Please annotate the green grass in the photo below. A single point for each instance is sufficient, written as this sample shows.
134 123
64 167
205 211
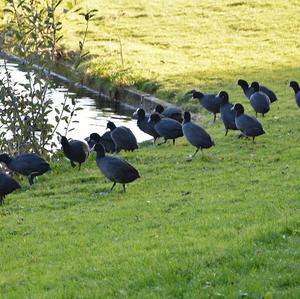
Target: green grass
187 44
226 226
219 227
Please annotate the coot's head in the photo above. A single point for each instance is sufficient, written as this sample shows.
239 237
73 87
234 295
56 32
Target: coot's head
159 109
5 158
140 113
99 149
110 125
255 86
223 95
238 108
64 141
295 86
154 117
243 83
197 95
187 116
95 137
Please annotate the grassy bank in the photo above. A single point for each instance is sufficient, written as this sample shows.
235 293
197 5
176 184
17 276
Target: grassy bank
187 44
226 226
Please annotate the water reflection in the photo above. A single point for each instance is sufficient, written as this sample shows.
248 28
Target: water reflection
95 114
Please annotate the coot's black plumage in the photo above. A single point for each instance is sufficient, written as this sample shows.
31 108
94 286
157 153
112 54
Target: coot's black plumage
30 165
105 140
227 114
170 112
211 102
122 137
166 127
195 135
114 168
259 100
7 186
248 125
248 90
75 151
296 89
146 126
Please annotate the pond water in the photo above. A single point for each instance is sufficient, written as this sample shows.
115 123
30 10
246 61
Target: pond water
95 113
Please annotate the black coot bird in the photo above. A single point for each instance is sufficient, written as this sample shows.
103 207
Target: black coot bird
259 100
30 165
248 90
195 135
75 151
7 186
248 125
211 102
296 88
166 127
114 168
122 137
105 140
144 125
170 112
227 114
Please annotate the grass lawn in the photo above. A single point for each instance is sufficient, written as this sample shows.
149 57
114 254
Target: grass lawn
186 44
226 226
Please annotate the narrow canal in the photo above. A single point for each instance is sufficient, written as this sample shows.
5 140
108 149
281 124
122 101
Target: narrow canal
95 112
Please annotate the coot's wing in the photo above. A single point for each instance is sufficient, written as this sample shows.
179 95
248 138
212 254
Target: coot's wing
250 125
7 184
80 150
124 138
169 128
196 135
30 163
270 93
117 169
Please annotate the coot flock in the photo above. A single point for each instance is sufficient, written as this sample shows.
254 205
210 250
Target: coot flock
168 123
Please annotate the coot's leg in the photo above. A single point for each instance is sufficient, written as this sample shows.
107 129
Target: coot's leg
195 152
215 115
253 139
72 164
173 141
190 158
114 184
124 187
226 132
30 179
79 166
1 200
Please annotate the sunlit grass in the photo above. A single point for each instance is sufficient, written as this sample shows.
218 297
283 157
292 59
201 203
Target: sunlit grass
187 44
